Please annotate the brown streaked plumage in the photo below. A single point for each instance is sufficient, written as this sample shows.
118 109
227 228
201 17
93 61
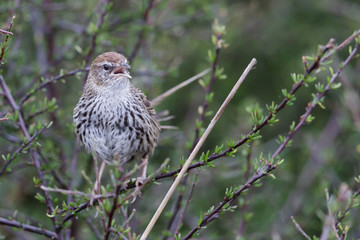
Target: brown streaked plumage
113 119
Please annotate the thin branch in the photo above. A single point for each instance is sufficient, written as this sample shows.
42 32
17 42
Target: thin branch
344 214
207 91
28 228
37 113
141 34
319 96
298 227
196 149
182 215
243 221
57 176
262 172
132 195
172 90
52 80
3 48
6 32
23 145
94 36
93 229
34 156
201 117
225 152
342 45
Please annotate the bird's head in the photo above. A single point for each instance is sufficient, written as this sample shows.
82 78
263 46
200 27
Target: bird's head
109 68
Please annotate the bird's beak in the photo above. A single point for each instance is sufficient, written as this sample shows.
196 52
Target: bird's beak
125 65
123 70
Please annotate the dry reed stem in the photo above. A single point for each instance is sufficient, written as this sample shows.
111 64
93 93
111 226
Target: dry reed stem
196 149
164 95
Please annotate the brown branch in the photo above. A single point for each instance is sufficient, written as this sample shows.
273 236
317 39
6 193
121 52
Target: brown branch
28 228
207 91
201 118
269 166
141 34
314 103
260 173
112 212
52 80
344 214
298 227
15 107
23 145
6 32
93 228
214 156
94 36
55 174
182 215
3 48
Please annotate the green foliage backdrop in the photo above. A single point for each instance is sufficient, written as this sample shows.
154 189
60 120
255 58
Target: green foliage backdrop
44 63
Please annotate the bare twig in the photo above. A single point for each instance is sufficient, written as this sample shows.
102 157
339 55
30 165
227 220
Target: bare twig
93 228
169 92
68 231
342 45
28 228
298 227
23 145
141 35
262 172
5 32
196 149
351 205
94 36
34 156
243 221
52 80
64 191
182 215
57 176
130 196
3 48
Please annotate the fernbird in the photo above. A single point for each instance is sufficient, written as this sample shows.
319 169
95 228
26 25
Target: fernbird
113 119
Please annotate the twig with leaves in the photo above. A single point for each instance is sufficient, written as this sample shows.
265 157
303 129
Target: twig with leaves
95 30
141 34
15 107
269 166
196 149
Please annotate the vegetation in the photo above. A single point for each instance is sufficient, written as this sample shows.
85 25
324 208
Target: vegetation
282 162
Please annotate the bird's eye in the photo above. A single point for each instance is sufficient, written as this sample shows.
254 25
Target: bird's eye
106 67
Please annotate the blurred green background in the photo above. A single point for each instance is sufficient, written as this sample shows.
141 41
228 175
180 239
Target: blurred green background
52 36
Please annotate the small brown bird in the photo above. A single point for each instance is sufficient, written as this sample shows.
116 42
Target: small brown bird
113 119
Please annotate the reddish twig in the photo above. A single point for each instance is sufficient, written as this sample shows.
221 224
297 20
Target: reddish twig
2 53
